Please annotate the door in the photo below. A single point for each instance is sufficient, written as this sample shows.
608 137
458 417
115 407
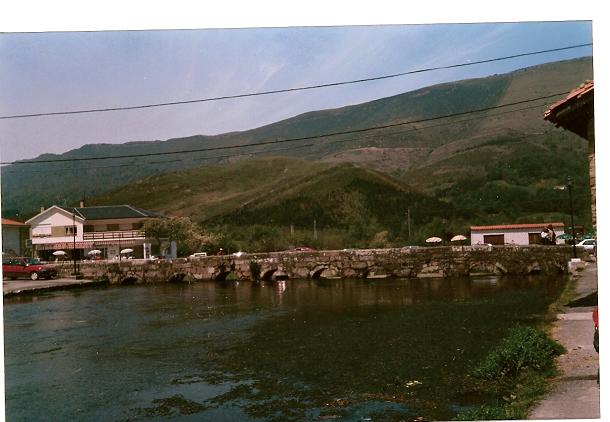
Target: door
13 268
494 239
534 238
7 268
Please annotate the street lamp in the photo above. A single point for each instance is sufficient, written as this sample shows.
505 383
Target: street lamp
74 243
569 185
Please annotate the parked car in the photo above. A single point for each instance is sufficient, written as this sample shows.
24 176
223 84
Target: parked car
303 249
15 267
587 244
198 255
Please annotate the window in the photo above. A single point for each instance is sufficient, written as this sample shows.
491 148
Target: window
70 230
137 226
113 227
88 229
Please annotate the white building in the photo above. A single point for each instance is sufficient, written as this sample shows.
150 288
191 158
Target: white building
78 231
512 234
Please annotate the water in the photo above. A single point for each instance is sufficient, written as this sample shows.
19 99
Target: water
290 350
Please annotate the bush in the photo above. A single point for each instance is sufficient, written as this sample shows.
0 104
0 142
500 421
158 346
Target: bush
524 347
255 270
484 413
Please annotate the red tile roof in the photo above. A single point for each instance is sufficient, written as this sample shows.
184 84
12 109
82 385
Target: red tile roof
575 94
7 222
515 226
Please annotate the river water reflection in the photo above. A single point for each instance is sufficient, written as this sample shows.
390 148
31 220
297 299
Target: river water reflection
288 350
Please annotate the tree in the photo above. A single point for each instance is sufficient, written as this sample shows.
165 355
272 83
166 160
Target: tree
188 236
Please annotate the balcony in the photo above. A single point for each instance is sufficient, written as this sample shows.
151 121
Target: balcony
115 235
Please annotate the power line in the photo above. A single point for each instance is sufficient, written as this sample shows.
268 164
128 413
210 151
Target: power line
289 148
440 124
284 90
278 141
133 163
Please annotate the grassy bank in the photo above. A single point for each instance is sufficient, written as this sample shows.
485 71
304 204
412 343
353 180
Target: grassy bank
519 368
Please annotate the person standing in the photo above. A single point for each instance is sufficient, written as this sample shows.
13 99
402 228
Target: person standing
552 237
544 236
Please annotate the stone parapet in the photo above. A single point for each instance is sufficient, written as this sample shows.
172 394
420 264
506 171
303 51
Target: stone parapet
411 262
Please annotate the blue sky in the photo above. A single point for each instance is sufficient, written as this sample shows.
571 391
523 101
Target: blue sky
58 71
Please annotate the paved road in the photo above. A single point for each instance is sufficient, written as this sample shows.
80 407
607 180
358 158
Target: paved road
12 287
574 394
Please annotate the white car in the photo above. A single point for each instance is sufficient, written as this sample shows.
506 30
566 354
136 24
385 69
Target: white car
587 244
198 255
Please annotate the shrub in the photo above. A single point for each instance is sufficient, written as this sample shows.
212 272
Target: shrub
524 347
255 270
484 413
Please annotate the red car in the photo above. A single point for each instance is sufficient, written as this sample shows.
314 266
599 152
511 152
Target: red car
13 267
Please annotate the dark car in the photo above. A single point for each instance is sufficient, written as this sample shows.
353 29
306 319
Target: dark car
14 267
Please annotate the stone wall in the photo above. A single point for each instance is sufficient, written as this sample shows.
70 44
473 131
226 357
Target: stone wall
413 262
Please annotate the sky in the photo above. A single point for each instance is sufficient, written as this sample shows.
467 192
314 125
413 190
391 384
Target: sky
63 71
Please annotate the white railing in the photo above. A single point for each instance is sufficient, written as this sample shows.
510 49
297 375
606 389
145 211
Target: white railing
112 235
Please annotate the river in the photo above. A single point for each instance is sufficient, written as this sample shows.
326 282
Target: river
379 350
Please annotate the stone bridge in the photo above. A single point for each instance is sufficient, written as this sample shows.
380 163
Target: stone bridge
410 262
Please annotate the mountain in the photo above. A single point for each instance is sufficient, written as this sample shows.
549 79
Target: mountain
433 155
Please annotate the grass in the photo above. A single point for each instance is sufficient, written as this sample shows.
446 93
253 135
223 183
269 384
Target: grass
525 348
521 365
529 387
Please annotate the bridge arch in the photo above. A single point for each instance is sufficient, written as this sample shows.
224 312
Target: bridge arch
129 280
316 273
281 275
222 275
177 278
267 274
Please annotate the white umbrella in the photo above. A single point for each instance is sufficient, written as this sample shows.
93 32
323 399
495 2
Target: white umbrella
458 238
57 253
94 252
128 250
433 239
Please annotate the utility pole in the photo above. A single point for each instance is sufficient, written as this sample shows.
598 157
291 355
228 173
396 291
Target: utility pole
74 243
572 217
569 187
409 223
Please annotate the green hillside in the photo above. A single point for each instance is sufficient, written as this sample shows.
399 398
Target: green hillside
204 193
272 203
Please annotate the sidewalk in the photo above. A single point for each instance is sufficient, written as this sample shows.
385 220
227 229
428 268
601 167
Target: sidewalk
15 287
574 394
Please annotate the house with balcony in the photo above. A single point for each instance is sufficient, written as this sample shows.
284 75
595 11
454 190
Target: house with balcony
79 230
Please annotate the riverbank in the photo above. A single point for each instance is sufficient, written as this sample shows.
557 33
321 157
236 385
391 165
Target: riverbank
16 287
574 393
